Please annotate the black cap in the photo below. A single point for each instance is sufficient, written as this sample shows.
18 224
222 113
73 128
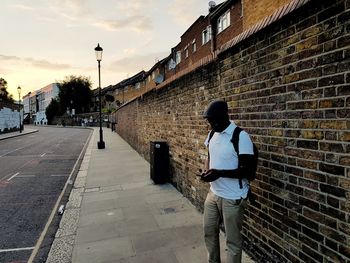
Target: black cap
216 109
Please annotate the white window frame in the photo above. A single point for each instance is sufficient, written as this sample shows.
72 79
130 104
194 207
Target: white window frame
223 22
178 57
186 52
194 46
206 35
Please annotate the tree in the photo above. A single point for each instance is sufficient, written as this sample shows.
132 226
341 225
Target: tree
52 110
4 95
75 93
109 98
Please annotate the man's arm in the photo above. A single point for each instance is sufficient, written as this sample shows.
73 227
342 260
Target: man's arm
245 169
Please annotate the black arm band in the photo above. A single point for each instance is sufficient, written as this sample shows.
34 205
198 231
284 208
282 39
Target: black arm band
245 168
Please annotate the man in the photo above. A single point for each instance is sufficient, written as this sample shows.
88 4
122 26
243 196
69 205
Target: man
226 172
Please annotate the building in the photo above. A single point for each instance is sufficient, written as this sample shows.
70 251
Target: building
200 43
35 103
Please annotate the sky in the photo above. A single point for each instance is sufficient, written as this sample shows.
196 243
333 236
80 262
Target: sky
43 41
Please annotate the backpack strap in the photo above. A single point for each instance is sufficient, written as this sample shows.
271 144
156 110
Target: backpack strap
235 142
211 134
235 139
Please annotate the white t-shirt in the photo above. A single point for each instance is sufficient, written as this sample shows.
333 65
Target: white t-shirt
224 157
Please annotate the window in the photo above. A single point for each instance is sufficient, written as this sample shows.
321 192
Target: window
153 75
186 52
178 57
137 85
223 21
194 47
206 35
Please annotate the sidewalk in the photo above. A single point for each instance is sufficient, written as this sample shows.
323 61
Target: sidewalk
25 131
116 214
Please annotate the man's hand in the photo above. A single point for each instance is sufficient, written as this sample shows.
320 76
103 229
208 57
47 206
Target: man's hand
210 175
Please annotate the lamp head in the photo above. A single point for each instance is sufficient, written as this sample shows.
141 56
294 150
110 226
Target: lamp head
19 89
98 52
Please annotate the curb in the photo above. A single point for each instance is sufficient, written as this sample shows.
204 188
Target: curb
11 135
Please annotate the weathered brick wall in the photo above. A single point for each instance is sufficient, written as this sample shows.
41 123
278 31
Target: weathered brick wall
255 10
289 87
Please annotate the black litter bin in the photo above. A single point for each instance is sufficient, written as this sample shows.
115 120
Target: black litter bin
159 158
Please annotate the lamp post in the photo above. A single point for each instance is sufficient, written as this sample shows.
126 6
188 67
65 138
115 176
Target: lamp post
98 51
30 117
19 106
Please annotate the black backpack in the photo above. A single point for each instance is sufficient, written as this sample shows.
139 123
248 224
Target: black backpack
235 142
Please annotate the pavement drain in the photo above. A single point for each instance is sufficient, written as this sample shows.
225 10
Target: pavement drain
168 210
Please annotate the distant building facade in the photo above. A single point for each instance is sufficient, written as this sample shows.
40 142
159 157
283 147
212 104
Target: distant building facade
35 103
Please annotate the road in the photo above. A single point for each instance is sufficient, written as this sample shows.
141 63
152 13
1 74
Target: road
33 171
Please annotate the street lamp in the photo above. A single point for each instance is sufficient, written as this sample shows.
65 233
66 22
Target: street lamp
98 51
19 106
30 117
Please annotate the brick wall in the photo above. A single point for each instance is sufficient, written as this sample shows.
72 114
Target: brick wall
289 86
255 10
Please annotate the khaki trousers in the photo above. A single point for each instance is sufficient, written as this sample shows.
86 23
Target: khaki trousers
216 210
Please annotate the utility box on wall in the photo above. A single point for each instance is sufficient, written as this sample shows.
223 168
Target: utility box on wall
159 159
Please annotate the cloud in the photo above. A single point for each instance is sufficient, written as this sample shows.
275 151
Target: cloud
71 9
134 64
39 63
131 15
23 7
180 10
136 23
129 51
185 12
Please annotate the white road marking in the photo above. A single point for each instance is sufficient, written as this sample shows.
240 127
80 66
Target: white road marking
26 175
43 155
16 249
13 176
59 175
11 151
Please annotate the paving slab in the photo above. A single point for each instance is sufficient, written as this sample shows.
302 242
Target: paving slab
106 250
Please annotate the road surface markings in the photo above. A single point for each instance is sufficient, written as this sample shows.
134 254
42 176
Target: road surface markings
11 151
16 249
13 176
26 175
54 210
59 175
43 155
